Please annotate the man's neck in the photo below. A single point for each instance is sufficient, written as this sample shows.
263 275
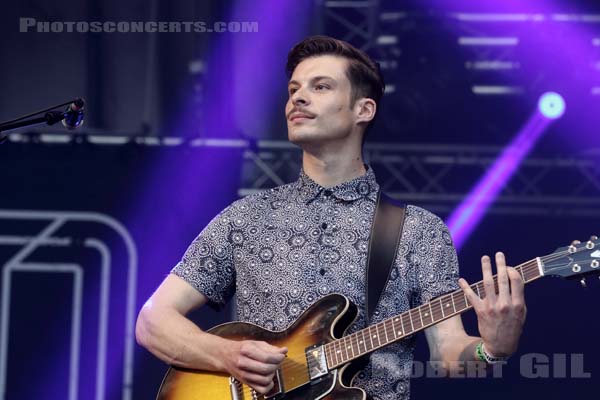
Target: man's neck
333 170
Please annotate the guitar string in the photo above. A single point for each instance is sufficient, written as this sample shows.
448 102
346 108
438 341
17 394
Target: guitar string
436 309
389 326
524 268
437 314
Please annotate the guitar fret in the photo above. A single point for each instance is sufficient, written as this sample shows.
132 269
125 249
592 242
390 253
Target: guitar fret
414 320
344 340
453 305
406 331
397 330
447 305
332 352
421 316
427 314
349 347
335 353
371 338
402 323
461 304
387 340
363 343
442 307
411 322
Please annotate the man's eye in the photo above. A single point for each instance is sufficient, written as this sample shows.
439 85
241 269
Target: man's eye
321 87
293 90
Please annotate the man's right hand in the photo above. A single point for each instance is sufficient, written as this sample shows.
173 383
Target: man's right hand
254 363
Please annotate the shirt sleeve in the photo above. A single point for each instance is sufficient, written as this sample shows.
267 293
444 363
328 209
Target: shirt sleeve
434 260
208 265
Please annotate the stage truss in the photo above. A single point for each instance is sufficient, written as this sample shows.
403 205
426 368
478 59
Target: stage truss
434 176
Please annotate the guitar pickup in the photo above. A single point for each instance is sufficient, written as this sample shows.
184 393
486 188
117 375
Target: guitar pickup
316 362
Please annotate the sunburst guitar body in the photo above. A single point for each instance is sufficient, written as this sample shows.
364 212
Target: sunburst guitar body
317 326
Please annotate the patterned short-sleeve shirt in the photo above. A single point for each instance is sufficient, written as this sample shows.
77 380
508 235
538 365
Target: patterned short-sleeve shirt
282 249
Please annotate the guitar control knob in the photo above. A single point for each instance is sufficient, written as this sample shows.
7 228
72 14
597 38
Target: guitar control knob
583 283
595 264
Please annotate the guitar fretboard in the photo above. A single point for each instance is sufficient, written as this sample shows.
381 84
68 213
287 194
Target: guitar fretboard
365 341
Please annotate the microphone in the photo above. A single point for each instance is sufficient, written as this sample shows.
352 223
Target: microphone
74 114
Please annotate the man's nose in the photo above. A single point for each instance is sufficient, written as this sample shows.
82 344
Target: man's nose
299 97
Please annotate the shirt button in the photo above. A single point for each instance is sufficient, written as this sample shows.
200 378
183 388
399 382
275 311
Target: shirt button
324 225
322 271
327 193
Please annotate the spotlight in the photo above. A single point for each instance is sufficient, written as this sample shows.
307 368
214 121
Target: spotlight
551 105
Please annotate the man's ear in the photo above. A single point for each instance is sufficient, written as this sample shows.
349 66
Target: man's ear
365 109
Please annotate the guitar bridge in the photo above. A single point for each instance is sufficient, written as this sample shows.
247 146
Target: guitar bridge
316 362
235 387
237 393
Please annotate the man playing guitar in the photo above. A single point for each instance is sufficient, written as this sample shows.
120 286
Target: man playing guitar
282 250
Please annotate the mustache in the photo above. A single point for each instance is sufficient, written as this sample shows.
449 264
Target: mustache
300 110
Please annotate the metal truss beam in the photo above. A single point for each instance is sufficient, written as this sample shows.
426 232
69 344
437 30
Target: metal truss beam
350 20
435 176
438 177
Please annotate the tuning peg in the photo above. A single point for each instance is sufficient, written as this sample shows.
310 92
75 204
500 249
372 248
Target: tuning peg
583 283
593 237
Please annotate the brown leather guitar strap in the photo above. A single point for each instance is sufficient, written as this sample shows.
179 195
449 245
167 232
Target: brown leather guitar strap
383 247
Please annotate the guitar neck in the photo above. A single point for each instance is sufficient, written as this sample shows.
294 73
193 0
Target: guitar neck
393 329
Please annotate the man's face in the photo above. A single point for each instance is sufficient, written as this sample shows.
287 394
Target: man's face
318 106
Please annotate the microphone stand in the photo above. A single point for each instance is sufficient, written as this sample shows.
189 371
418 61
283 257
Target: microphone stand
50 118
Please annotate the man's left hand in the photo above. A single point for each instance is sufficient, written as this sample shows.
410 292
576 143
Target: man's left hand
500 315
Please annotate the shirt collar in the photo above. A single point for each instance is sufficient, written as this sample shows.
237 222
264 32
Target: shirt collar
363 186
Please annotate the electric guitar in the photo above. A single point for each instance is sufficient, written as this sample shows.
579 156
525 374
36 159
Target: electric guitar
318 353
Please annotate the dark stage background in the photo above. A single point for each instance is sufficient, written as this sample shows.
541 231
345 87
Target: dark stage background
178 125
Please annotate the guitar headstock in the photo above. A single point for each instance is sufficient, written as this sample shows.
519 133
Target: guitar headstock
580 259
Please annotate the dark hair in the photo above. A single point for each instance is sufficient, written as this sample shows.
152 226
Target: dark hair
362 72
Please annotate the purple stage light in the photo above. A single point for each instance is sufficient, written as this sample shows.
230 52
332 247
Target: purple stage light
551 105
467 215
